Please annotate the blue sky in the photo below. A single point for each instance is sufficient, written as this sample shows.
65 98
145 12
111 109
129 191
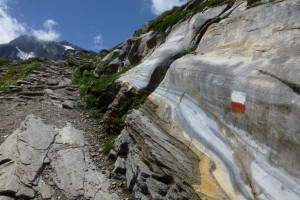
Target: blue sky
91 24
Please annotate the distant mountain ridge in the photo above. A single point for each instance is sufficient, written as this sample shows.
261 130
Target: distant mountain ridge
25 47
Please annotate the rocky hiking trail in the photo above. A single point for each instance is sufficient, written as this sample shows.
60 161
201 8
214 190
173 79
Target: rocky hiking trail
50 148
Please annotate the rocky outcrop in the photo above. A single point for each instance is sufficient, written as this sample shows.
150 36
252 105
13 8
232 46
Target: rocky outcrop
231 107
38 158
177 41
157 165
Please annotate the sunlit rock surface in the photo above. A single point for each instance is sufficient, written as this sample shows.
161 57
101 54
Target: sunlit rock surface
180 38
235 103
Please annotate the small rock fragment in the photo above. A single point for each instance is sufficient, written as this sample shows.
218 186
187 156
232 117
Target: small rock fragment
68 105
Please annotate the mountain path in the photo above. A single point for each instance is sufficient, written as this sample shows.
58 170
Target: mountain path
50 148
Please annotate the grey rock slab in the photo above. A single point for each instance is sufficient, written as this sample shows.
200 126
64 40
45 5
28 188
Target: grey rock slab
104 195
112 154
26 191
6 198
26 97
68 81
22 156
151 40
157 189
54 97
69 165
107 58
120 166
114 66
70 136
13 88
122 143
71 89
68 104
49 91
8 180
96 184
134 166
45 190
35 88
52 82
38 135
32 94
23 82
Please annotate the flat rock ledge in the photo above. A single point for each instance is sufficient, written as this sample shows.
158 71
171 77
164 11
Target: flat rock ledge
40 161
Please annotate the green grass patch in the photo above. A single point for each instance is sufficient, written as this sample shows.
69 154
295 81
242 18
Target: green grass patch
186 51
18 71
137 33
172 17
95 113
168 19
90 86
109 144
4 62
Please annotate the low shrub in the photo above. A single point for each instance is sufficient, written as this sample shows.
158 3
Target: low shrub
109 144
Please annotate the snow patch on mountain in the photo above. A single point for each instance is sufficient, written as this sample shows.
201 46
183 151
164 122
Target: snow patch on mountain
68 47
24 56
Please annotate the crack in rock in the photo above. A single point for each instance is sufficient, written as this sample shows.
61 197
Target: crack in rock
26 153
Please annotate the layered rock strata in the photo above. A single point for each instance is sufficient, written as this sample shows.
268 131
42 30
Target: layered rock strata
234 104
181 37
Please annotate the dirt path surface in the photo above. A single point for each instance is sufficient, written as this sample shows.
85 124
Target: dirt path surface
49 146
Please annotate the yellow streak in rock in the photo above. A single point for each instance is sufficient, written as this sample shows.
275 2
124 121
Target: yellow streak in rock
209 186
210 166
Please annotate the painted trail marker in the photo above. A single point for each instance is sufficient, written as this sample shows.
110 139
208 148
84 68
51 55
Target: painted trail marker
238 100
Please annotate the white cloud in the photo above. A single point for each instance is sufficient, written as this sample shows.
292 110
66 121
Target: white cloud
48 34
10 27
98 42
160 6
98 39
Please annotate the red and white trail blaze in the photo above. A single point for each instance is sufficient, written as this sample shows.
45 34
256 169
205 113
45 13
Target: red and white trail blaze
238 100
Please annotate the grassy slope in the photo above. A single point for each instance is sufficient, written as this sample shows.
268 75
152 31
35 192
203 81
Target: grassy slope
172 17
16 71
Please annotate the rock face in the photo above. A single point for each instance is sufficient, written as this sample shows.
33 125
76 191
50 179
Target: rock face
225 117
179 39
36 152
157 166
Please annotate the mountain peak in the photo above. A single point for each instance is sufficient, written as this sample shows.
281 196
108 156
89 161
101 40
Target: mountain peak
27 46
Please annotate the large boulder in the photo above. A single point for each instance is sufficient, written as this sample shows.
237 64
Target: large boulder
106 60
